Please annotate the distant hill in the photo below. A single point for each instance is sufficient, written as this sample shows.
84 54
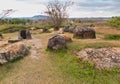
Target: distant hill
39 17
93 18
36 17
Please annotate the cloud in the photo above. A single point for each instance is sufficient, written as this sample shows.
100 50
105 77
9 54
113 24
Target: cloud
101 5
93 8
34 1
23 8
81 8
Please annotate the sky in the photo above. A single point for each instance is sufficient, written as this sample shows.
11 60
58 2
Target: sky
80 8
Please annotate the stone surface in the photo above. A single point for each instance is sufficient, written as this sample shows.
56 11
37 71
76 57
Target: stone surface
103 58
84 33
57 42
12 52
24 34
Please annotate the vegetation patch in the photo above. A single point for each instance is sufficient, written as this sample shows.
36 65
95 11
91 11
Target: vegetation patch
114 22
112 37
7 69
79 71
13 28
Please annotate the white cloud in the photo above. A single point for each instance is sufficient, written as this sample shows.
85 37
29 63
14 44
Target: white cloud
88 9
23 8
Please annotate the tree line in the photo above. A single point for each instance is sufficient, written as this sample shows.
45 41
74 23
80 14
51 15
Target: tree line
14 21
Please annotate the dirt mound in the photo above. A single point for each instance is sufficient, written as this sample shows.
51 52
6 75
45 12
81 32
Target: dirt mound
103 58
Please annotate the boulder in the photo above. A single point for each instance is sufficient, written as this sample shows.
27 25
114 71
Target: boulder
66 37
57 42
102 58
24 34
84 33
12 51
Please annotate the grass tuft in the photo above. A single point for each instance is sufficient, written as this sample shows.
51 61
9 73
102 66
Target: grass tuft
112 37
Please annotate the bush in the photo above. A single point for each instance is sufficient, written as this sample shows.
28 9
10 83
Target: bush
114 22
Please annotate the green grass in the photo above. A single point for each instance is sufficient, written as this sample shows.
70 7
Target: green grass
76 71
6 28
13 27
7 69
112 37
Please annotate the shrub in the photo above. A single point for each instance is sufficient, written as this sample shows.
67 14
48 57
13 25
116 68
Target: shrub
114 22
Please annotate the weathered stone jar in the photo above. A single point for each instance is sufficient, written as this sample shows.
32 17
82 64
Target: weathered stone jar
24 34
84 33
57 42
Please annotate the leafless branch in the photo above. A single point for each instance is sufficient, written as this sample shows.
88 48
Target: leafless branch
57 11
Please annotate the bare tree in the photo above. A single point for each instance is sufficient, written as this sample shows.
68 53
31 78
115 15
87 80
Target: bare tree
57 12
6 13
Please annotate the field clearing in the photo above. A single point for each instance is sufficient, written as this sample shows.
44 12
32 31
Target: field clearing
107 30
60 67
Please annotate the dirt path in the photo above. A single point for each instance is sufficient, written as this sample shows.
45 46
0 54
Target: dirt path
35 68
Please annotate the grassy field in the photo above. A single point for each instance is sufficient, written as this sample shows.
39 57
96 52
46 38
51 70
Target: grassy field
61 67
